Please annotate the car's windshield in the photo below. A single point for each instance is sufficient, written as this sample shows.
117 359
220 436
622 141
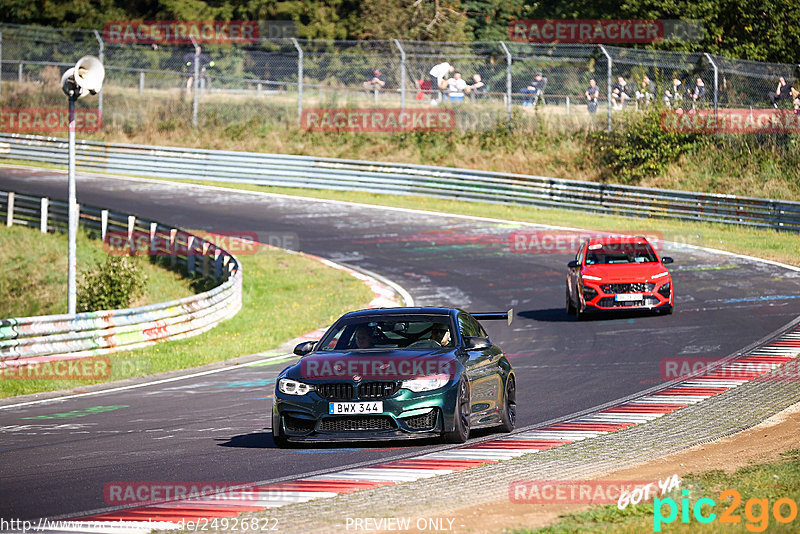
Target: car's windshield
611 253
389 332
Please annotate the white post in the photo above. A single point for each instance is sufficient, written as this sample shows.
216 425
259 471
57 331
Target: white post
10 212
402 74
101 55
509 59
43 218
131 225
73 216
141 82
173 259
103 225
299 80
153 229
196 85
567 105
190 255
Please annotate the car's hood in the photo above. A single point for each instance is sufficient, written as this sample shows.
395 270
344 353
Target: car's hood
624 272
373 364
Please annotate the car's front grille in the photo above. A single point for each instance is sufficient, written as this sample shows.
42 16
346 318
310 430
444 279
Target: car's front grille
295 424
637 287
425 421
367 422
610 302
377 390
335 391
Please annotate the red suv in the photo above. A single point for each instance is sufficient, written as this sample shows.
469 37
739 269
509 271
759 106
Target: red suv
618 273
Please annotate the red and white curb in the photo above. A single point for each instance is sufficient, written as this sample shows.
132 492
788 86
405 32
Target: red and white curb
750 366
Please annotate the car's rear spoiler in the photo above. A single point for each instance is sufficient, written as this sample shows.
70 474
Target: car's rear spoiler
495 316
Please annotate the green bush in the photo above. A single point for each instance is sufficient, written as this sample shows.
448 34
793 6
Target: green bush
111 285
640 148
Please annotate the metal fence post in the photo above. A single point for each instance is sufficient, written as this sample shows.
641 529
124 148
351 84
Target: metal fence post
402 74
141 82
716 81
195 83
19 73
299 80
508 79
101 57
608 58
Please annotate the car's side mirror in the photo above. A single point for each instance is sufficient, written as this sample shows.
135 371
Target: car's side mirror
304 348
476 343
666 259
573 264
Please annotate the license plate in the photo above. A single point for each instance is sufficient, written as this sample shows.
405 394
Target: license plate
343 408
627 297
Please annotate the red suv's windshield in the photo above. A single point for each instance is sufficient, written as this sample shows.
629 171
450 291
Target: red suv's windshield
610 253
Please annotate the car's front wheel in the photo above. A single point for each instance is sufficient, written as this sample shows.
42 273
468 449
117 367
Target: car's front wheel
509 416
570 306
460 432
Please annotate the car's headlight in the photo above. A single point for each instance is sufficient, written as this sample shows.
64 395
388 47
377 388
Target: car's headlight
659 275
590 277
293 387
425 383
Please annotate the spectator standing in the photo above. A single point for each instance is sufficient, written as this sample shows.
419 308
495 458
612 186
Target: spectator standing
439 74
672 97
535 90
698 93
477 89
203 61
619 94
782 92
377 81
592 96
646 93
796 100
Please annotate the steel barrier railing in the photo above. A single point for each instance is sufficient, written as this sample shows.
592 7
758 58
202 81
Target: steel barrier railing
55 337
405 179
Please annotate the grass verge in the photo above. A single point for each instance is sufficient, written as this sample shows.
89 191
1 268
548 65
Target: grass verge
760 488
284 295
34 267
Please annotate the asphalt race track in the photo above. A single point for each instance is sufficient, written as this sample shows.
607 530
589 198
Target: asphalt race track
57 457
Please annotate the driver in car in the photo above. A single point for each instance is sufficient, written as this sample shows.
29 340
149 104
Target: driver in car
441 334
364 337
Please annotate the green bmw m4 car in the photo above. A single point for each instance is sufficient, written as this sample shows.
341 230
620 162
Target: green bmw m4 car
395 373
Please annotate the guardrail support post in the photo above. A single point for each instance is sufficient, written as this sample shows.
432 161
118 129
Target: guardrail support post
43 218
205 259
402 74
131 225
10 210
173 256
299 81
610 63
153 230
190 255
103 224
217 264
508 79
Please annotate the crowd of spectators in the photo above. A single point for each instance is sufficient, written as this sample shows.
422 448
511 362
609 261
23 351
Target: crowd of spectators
447 84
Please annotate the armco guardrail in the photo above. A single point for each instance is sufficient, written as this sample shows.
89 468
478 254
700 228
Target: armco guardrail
405 179
54 337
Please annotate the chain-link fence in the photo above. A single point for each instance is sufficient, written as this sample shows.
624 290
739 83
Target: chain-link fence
272 81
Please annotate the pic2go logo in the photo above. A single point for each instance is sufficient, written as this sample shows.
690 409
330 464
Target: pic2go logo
756 511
